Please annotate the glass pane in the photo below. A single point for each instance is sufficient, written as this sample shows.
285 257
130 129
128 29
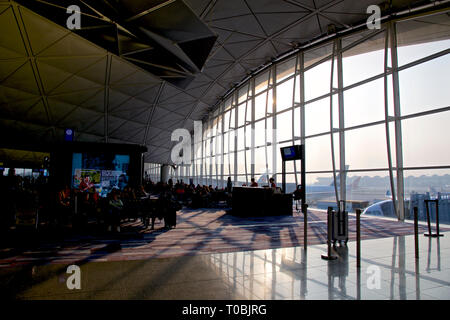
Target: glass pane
356 37
232 119
297 123
241 162
248 160
367 188
284 95
427 184
425 86
336 145
226 121
227 104
422 37
270 159
314 55
270 101
363 61
279 161
198 150
231 162
207 148
260 136
261 82
297 89
241 180
335 111
218 146
285 69
284 126
219 125
317 81
364 104
290 183
241 114
318 153
248 136
317 117
207 168
269 132
390 95
243 93
249 111
226 162
260 160
392 143
260 106
232 140
320 192
214 166
425 140
365 148
241 138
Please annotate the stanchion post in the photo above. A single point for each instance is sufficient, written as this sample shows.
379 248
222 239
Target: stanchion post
358 238
358 284
305 225
437 219
416 232
428 220
329 256
430 234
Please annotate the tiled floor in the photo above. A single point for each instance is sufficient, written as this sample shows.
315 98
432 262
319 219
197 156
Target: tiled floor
197 232
388 270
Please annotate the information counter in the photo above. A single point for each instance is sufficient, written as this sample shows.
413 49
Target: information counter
260 202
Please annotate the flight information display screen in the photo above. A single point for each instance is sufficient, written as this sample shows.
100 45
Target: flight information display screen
291 153
101 171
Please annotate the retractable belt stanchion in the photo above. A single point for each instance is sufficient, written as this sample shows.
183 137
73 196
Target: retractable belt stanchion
329 256
416 233
305 225
358 254
358 238
416 250
430 234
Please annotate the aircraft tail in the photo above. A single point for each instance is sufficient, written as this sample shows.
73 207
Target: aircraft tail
355 183
264 178
338 177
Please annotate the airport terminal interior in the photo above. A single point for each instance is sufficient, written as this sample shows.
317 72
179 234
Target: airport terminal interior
224 150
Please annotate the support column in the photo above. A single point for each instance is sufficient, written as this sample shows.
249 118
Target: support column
165 173
302 123
398 125
274 122
342 167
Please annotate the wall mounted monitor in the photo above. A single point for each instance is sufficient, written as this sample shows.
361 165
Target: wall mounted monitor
102 171
291 153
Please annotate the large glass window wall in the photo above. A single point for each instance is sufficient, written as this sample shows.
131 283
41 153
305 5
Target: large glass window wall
371 108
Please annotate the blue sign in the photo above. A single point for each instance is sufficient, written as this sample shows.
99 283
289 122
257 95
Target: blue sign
68 134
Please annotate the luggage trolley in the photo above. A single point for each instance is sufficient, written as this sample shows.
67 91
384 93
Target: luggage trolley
339 223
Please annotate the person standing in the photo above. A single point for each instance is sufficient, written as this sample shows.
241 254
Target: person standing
229 185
